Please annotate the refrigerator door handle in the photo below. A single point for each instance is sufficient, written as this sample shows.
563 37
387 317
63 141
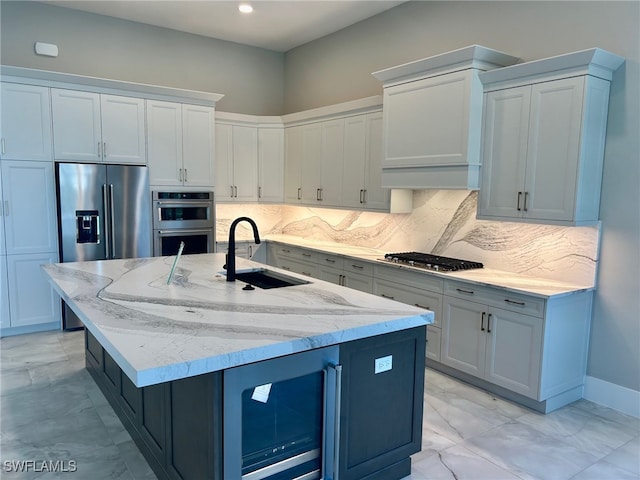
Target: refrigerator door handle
112 223
107 233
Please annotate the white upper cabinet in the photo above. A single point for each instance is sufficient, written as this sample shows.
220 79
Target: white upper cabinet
544 138
95 127
271 164
236 163
26 122
294 150
433 119
180 144
198 145
362 166
164 143
30 224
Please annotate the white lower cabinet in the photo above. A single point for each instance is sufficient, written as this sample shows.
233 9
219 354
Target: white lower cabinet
535 347
345 271
5 318
416 289
31 299
28 224
494 344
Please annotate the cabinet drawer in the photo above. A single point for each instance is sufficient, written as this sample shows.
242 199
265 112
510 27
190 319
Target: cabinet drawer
328 260
410 295
352 265
495 297
404 276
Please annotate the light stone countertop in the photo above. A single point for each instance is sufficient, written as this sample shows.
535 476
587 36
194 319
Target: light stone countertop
507 281
201 323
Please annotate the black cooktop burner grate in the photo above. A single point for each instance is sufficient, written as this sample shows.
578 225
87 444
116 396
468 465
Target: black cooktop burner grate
432 262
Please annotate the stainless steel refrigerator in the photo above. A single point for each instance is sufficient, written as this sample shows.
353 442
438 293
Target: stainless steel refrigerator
104 212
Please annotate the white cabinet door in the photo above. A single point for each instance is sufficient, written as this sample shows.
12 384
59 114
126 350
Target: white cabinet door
355 161
2 208
311 166
375 197
427 121
294 151
164 143
463 342
514 351
26 122
198 129
31 298
332 155
123 129
5 315
362 166
271 165
29 219
77 132
224 163
553 149
245 163
506 124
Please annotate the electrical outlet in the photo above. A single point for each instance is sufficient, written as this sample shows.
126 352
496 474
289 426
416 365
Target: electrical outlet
383 364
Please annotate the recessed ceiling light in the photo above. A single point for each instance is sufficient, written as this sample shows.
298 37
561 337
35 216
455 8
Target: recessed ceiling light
245 8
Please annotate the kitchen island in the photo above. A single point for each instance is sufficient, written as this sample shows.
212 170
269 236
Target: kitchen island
164 356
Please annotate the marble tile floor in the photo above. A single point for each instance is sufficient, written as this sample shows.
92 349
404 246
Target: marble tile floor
51 410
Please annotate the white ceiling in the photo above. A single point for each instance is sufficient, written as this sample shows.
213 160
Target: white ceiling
274 25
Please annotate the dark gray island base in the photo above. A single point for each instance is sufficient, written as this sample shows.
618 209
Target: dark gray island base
178 425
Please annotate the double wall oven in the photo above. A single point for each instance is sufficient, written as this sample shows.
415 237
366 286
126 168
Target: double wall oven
187 217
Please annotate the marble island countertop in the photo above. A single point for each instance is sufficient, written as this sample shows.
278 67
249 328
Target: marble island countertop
508 281
201 323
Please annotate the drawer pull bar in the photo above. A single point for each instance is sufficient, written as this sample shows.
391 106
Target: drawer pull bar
422 306
470 292
522 304
329 260
390 297
359 267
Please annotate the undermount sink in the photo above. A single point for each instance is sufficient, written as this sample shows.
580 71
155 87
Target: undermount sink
263 278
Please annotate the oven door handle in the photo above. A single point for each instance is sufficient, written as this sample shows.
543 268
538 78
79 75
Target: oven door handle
183 203
184 231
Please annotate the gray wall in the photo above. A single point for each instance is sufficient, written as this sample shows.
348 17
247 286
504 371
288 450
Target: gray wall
252 79
338 67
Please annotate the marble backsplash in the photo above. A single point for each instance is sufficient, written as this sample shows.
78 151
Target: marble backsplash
443 223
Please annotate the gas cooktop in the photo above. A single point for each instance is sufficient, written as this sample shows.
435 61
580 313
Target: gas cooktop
431 262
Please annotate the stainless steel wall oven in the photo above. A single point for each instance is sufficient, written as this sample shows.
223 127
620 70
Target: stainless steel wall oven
187 217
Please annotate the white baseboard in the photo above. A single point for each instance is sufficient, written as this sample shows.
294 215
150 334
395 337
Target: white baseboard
613 396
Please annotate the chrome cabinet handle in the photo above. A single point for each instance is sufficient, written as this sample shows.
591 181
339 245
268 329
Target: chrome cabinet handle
104 150
337 368
526 197
259 192
235 191
518 202
361 196
489 323
231 194
185 175
482 322
99 149
299 191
